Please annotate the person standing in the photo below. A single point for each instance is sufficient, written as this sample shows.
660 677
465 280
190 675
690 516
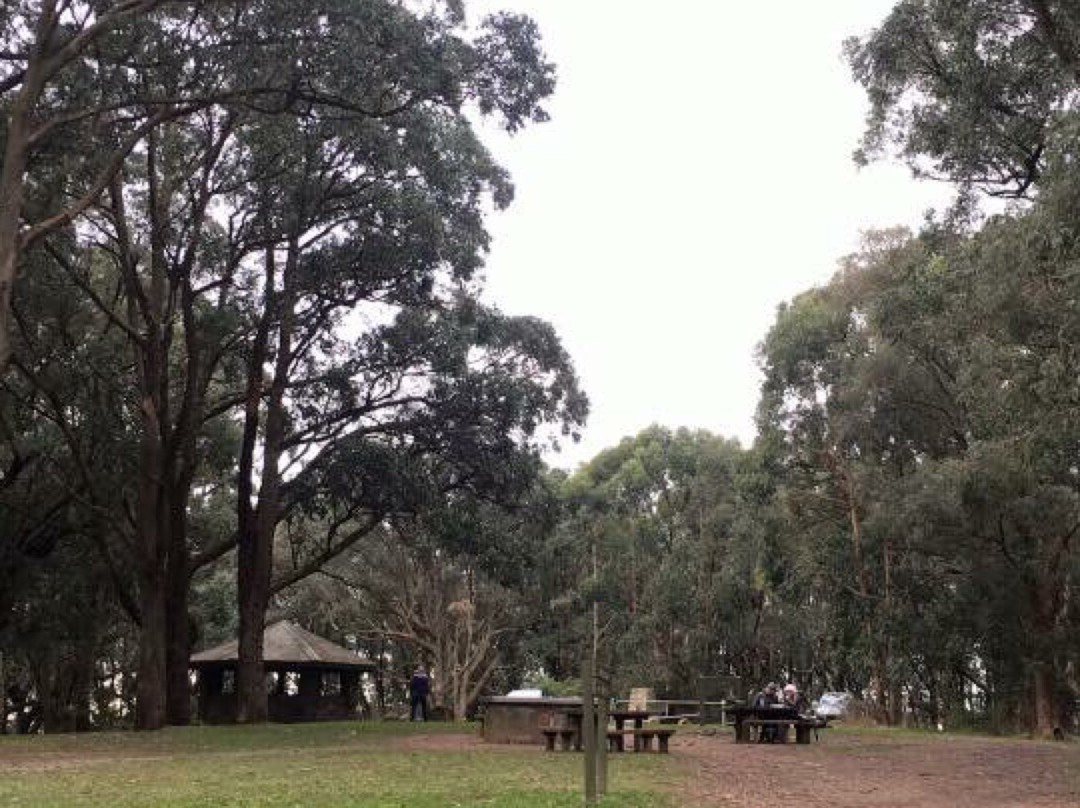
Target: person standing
419 686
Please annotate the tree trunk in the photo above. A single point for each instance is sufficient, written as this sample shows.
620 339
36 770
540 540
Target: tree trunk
56 715
461 699
443 677
256 550
1045 712
1047 599
10 211
178 649
12 182
881 687
252 615
182 469
253 597
153 592
3 695
154 491
255 566
150 682
896 703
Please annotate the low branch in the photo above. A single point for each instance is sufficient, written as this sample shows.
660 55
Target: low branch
104 178
332 551
95 298
212 553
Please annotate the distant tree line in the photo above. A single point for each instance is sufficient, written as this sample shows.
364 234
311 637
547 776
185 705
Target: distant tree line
905 525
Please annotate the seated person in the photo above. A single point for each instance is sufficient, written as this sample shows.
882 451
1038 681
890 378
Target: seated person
769 697
794 698
791 698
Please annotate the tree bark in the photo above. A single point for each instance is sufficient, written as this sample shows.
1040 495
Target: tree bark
1045 712
178 649
12 175
153 523
182 468
153 554
251 704
150 683
1046 605
1048 598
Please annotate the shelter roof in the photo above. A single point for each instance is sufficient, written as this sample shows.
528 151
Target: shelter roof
284 642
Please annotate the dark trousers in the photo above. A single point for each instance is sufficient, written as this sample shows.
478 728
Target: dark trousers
421 702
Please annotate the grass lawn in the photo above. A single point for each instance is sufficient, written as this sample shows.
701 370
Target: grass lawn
341 765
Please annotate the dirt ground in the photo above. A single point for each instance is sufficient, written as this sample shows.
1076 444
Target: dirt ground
863 770
876 770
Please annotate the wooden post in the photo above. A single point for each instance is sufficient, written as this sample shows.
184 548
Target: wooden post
602 742
588 730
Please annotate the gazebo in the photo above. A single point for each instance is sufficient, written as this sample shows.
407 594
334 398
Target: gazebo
308 678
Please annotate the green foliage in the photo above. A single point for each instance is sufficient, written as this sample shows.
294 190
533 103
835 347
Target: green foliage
923 404
665 533
978 93
556 688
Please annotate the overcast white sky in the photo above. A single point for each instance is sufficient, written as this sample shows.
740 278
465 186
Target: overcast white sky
696 172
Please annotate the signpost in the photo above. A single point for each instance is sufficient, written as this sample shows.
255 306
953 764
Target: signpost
588 730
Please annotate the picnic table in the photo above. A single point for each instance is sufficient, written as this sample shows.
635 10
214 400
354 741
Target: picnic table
643 736
780 716
575 715
620 717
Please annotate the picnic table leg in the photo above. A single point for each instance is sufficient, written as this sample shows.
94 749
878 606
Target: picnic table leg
549 740
742 731
802 733
662 740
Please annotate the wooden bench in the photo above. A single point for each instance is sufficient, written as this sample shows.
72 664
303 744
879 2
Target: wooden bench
643 738
802 727
567 736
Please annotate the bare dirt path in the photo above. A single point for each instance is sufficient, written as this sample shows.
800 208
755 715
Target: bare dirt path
879 770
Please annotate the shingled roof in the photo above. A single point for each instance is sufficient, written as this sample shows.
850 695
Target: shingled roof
286 643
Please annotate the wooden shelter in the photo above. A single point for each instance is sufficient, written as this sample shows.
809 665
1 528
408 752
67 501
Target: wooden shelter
308 678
